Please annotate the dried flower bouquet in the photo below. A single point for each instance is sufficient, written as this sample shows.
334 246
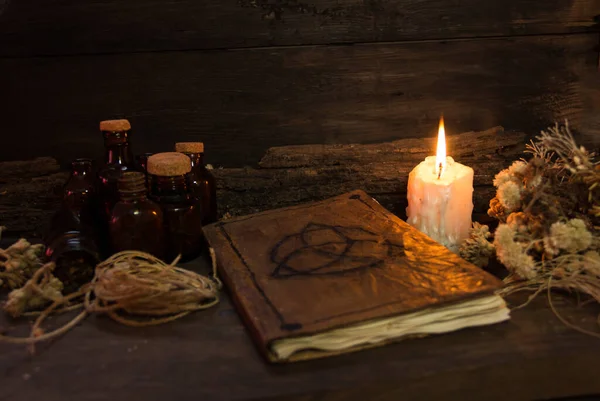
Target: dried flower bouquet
548 208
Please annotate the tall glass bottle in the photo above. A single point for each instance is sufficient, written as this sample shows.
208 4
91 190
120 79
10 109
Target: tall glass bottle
118 159
181 212
80 196
136 222
202 183
72 239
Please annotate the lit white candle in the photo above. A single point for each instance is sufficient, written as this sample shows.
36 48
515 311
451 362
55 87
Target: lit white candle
440 197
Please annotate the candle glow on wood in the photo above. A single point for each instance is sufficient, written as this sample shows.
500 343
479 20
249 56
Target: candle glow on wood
440 196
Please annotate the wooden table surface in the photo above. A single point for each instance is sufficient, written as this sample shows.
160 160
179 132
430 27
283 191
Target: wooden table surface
209 356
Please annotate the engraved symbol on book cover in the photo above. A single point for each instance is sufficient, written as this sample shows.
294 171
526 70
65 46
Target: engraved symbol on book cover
322 249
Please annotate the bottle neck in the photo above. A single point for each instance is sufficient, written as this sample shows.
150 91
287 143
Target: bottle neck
81 168
118 154
118 148
73 243
142 161
196 158
132 186
169 188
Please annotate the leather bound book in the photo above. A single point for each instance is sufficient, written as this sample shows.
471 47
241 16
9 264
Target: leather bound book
344 274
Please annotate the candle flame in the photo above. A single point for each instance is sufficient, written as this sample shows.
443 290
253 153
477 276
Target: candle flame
440 156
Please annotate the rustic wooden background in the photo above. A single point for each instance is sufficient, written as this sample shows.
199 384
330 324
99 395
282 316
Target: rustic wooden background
245 75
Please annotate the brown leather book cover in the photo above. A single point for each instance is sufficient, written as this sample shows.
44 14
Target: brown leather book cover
310 268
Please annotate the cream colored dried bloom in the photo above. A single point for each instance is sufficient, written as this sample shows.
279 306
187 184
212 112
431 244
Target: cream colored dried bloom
509 195
518 167
572 236
551 246
512 254
504 235
514 173
502 177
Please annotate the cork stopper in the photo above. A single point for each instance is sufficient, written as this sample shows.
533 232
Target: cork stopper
115 125
169 164
189 147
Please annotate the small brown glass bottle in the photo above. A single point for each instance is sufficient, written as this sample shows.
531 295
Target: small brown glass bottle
201 181
72 241
80 189
80 197
181 212
75 253
118 159
136 222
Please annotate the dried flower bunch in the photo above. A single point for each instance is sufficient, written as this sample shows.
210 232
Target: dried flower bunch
19 262
549 213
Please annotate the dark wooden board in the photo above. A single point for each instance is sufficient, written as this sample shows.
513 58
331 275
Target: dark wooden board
484 146
42 27
30 193
209 356
287 176
242 102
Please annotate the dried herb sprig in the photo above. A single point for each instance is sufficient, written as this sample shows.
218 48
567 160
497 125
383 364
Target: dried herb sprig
19 262
37 292
477 249
571 273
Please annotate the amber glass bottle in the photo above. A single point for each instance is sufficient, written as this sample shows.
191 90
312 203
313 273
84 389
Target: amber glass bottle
75 253
136 222
181 212
201 181
72 240
80 188
118 158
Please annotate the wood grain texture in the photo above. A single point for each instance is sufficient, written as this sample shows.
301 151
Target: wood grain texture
240 103
42 27
288 175
466 147
209 356
29 195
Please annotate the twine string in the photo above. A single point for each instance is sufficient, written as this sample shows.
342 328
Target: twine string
128 284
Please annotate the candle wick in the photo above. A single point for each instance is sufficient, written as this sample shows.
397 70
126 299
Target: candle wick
440 171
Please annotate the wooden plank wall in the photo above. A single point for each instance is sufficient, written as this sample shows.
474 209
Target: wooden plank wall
245 75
